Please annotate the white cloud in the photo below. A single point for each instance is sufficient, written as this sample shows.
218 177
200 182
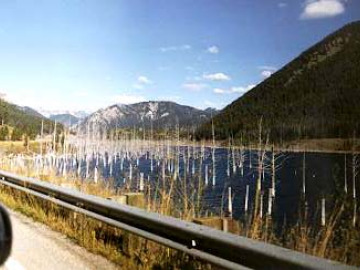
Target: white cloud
184 47
194 86
266 73
213 49
143 80
217 77
233 90
220 91
282 5
316 9
127 99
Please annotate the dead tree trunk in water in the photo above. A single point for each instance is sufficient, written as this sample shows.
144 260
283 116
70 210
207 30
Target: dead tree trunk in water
260 168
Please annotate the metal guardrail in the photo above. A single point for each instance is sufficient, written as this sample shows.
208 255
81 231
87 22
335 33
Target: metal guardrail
222 249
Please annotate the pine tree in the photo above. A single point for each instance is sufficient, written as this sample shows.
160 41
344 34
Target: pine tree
16 134
4 133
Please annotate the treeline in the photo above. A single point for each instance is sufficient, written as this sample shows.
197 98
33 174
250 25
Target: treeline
314 96
143 133
12 134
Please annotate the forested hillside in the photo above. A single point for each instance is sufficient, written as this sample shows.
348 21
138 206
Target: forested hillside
21 122
317 95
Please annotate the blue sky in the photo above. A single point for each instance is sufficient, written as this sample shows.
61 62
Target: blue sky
84 55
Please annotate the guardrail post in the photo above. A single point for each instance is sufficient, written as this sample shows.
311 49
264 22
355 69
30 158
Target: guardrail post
225 224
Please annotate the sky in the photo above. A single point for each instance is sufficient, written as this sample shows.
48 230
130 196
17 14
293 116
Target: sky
90 54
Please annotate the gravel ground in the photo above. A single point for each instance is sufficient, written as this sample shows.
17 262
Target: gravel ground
35 246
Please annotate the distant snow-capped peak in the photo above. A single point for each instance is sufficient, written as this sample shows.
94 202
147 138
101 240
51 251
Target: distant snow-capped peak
78 114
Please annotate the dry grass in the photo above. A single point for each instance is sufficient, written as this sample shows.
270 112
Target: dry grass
339 240
126 250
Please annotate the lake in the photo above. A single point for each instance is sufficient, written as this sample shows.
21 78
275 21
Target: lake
324 178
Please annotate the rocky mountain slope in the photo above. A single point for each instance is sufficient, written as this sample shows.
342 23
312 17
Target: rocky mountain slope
158 114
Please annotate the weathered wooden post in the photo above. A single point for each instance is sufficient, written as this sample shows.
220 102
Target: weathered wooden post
345 176
304 176
270 198
230 208
323 218
141 185
96 174
206 175
261 204
354 175
247 198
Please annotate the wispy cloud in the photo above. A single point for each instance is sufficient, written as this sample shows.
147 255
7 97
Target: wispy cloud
317 9
194 78
143 80
213 49
217 77
282 5
236 89
272 68
184 47
242 89
194 86
220 91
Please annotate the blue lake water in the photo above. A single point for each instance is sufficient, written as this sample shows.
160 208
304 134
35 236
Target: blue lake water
324 178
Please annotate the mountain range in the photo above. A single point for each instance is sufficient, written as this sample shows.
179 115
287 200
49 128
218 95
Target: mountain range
66 119
316 95
158 114
78 114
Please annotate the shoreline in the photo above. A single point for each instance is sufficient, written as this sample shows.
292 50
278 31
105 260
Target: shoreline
328 145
